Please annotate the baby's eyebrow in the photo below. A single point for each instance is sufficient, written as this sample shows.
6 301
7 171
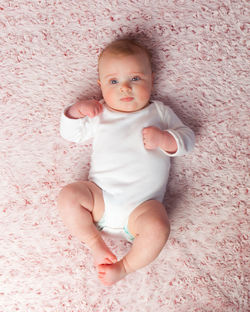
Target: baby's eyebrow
110 75
115 74
137 73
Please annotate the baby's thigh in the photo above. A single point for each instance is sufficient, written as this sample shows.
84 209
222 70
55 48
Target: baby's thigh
149 217
84 193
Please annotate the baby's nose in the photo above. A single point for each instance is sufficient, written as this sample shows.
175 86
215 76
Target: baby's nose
125 87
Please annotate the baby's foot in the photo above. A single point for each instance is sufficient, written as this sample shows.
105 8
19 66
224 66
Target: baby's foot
111 273
101 253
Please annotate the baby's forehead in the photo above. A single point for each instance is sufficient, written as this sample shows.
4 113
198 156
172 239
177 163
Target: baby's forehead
109 56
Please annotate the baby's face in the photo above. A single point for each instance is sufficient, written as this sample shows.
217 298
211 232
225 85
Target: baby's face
126 81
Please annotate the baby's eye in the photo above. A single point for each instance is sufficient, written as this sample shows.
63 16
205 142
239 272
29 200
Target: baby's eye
113 81
136 78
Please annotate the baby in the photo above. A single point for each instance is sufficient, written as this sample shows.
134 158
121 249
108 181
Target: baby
133 140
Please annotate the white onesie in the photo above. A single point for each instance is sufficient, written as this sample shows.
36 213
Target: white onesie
127 173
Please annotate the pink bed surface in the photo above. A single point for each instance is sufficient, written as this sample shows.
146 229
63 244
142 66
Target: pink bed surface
48 60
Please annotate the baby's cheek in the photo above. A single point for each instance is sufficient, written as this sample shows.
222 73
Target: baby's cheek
108 96
144 93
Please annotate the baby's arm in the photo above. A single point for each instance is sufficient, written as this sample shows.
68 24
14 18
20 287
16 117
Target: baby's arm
153 138
74 127
176 139
83 108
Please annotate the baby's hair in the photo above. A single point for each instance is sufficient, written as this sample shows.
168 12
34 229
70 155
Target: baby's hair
125 47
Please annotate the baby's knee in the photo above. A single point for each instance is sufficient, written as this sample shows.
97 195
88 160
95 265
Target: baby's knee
75 194
156 224
66 195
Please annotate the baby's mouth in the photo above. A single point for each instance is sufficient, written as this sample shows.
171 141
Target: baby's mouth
127 99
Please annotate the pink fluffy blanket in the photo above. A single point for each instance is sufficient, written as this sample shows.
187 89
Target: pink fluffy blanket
48 60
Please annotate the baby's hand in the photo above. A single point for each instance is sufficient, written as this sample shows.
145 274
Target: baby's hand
152 137
83 108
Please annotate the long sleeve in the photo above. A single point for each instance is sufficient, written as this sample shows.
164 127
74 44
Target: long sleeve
183 135
76 130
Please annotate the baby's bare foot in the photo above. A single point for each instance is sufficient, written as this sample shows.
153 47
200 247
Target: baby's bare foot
111 273
101 253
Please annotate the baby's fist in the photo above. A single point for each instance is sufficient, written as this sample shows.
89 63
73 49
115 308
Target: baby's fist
89 108
151 137
83 108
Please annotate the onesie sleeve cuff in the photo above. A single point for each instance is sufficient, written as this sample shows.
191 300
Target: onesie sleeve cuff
185 143
177 153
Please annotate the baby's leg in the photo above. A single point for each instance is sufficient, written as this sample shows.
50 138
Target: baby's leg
150 226
80 204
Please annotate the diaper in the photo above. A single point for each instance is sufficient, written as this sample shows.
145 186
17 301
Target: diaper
121 232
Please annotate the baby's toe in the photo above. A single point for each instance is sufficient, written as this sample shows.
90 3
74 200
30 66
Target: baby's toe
108 261
113 259
101 276
101 268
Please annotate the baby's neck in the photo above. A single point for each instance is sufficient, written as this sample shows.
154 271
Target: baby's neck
125 112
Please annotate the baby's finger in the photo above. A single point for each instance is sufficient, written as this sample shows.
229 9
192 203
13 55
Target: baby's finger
97 110
145 142
91 114
146 137
144 133
100 108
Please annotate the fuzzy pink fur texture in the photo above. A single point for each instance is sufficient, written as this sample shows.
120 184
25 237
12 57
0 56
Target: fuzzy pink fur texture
48 60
